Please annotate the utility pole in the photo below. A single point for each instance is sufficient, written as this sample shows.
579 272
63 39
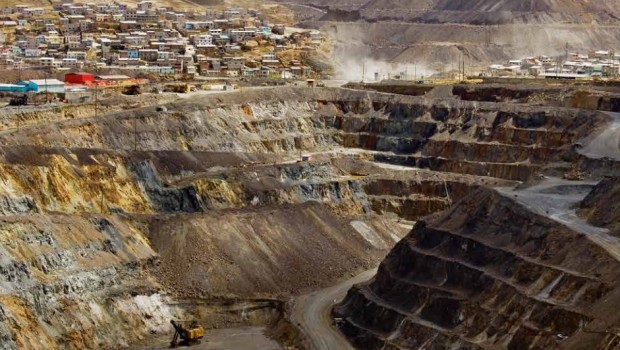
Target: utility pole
612 56
462 67
102 199
363 71
46 88
460 75
463 63
96 94
464 73
96 100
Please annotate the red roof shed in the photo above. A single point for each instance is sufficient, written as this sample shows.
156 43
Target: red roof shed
79 78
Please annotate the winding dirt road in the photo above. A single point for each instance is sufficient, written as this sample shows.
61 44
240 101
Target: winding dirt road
312 311
557 198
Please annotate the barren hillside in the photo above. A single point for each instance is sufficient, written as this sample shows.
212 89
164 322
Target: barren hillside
435 33
477 11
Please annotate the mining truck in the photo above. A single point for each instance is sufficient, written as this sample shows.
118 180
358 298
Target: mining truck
186 333
132 90
19 100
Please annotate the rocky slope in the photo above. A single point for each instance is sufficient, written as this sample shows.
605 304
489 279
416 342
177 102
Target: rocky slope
435 34
491 12
112 225
601 207
472 12
281 122
71 281
487 273
263 252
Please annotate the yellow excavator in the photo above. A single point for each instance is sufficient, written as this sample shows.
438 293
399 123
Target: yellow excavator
186 333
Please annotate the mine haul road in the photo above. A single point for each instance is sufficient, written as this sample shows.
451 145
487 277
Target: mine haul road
556 198
553 198
312 313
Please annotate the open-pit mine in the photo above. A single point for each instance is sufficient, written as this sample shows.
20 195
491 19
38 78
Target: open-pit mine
262 215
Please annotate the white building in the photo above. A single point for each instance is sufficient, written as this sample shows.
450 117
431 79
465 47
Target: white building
202 40
49 85
242 34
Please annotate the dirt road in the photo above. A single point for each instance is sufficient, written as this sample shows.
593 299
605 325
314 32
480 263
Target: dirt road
244 338
556 198
312 313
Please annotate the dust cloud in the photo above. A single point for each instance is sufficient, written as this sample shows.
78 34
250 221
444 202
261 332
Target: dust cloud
368 69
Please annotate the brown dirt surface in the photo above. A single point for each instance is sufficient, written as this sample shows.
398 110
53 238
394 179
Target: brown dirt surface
257 253
474 12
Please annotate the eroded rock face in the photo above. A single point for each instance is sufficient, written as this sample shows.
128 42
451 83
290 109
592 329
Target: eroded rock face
601 207
485 274
104 222
70 282
479 138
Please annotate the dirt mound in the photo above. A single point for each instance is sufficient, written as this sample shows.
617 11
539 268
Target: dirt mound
262 252
486 274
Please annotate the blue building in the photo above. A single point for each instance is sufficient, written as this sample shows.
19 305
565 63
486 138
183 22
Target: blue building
13 88
30 86
44 85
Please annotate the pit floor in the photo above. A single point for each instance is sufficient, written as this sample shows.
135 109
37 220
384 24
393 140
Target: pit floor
245 338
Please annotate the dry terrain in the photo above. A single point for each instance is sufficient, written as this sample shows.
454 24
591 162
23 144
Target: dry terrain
200 207
435 34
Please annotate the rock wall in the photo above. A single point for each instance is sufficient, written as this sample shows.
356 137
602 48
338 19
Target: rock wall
106 221
485 274
601 206
70 281
500 140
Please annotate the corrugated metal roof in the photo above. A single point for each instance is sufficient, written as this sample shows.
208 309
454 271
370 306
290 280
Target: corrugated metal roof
113 77
47 82
10 85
